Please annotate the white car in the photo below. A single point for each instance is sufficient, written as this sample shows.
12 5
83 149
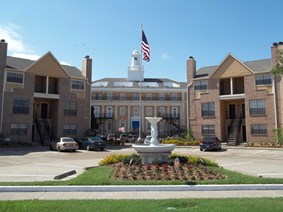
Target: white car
147 139
64 144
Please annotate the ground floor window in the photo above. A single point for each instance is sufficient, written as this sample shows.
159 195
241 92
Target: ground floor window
259 129
19 129
208 130
70 129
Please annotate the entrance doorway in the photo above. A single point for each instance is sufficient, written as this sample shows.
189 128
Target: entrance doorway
232 111
44 111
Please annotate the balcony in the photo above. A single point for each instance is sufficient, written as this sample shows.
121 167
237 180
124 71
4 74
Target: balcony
105 98
233 88
46 87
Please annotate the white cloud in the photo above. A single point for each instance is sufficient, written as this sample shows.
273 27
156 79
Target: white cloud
26 56
164 56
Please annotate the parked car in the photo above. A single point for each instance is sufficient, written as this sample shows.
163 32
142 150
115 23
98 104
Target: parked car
123 138
111 137
210 143
64 144
147 139
91 143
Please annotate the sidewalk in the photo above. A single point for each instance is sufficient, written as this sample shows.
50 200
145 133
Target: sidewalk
139 192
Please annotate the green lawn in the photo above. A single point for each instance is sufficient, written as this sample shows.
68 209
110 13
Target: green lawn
101 176
227 204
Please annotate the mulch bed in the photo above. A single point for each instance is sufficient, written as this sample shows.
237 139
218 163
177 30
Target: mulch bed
184 172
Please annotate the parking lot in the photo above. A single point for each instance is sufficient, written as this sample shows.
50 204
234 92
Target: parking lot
40 164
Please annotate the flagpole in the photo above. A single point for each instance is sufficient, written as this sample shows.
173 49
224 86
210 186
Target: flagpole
140 102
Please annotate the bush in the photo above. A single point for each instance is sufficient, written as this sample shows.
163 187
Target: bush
132 159
111 159
182 159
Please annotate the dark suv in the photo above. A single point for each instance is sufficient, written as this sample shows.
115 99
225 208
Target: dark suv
210 143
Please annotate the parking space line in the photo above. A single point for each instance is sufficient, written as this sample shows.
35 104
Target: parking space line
47 164
259 152
232 164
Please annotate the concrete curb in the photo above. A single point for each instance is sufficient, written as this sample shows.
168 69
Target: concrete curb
137 188
66 174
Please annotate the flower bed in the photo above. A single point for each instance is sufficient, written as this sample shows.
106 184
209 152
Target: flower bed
184 172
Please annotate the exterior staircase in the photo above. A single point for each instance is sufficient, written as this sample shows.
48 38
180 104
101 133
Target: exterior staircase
234 132
43 129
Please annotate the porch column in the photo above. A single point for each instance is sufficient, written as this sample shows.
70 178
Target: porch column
231 86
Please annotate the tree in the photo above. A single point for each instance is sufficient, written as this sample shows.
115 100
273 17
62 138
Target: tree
278 69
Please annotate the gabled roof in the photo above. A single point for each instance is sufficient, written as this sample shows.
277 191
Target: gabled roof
21 64
257 66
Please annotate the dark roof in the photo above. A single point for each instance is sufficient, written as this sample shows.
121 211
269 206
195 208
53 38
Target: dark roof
256 66
21 64
159 81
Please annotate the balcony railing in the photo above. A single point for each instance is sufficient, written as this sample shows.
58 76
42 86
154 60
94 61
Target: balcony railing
104 115
169 116
137 99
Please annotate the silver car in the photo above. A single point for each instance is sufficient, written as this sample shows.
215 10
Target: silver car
64 144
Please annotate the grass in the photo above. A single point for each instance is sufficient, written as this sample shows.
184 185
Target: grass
101 176
227 204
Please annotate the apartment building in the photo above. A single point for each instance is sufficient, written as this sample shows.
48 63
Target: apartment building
237 101
117 105
43 99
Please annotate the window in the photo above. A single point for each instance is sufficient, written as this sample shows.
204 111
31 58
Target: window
161 96
207 109
78 85
136 96
259 129
208 130
122 96
122 124
148 96
109 126
70 129
122 111
97 96
174 112
70 108
109 96
15 77
109 112
96 111
161 111
21 105
148 126
200 85
263 79
135 111
174 97
149 111
19 129
257 107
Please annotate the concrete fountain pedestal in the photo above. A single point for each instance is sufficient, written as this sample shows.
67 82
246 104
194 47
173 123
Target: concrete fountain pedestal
155 150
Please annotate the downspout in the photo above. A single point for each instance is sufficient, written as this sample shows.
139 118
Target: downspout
2 101
275 104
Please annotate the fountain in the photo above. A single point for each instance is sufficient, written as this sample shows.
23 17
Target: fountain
155 150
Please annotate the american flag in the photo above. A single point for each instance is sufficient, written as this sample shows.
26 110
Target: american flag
145 48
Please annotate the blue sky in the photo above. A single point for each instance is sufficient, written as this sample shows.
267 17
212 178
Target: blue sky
109 30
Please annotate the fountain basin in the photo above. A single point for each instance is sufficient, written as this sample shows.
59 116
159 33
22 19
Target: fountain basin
150 153
154 148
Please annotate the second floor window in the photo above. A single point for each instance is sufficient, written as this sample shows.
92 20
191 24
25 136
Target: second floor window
122 111
148 96
207 109
149 111
200 85
257 107
136 96
21 105
70 108
78 85
122 96
174 111
263 79
174 97
15 77
109 96
135 111
161 96
109 112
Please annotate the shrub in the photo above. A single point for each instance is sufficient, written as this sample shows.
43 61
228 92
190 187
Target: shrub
182 159
113 158
132 159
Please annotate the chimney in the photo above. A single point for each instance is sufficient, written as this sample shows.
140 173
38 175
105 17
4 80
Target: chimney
191 69
3 54
275 49
87 69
